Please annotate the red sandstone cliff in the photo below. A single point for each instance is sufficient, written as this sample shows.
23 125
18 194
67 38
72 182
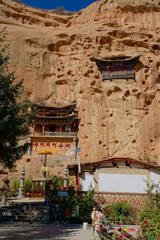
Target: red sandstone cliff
55 56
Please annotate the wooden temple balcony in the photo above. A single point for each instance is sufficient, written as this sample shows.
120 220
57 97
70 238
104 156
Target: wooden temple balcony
54 134
119 68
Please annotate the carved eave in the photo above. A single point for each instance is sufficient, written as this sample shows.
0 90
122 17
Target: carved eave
68 108
114 161
101 63
127 160
69 118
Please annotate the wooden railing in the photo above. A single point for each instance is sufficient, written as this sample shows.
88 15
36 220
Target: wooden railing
56 134
107 198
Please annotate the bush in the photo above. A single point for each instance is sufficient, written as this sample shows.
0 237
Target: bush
87 204
57 183
119 212
70 202
16 184
28 185
153 197
150 222
37 188
15 188
149 217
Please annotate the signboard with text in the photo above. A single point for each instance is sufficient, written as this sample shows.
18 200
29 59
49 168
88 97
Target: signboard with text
62 194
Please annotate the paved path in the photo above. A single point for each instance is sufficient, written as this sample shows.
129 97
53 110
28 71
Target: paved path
54 231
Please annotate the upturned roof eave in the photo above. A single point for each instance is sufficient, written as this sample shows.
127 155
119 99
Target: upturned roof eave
71 116
70 106
117 60
97 163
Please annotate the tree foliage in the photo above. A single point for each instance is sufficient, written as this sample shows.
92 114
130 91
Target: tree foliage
87 204
14 113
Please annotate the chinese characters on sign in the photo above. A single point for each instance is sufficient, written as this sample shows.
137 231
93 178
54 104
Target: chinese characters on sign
48 144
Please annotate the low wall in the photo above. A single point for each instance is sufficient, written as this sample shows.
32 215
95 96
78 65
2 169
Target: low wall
28 212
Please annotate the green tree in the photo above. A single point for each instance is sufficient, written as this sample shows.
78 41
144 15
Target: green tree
87 203
15 115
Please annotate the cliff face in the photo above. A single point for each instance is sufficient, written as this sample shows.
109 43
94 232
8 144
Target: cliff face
55 56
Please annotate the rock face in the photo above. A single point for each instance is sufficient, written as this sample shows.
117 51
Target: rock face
54 53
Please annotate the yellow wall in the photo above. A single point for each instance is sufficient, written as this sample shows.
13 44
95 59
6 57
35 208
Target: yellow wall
58 146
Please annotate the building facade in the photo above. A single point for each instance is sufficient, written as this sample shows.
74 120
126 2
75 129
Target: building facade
54 131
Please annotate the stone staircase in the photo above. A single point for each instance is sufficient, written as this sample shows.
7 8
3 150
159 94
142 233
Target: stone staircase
30 212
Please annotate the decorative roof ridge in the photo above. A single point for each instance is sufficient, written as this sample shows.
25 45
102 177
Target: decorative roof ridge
118 60
55 107
58 117
119 159
122 159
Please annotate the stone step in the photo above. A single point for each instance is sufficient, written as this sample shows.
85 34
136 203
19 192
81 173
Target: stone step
24 213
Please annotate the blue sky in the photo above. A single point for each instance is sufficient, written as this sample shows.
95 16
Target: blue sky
69 5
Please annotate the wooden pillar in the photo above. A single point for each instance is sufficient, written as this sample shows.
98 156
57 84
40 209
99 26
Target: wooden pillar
43 126
70 128
60 126
102 74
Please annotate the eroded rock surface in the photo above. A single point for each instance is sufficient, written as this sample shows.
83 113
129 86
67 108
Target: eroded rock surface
55 56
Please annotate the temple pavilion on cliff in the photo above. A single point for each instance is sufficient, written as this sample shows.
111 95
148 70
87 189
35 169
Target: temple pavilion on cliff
118 68
54 130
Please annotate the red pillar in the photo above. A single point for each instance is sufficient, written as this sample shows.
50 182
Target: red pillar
60 128
102 74
70 128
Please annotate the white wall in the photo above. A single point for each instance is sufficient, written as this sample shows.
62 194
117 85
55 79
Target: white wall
87 180
122 183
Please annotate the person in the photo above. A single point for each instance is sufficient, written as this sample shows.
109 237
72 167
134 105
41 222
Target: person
45 171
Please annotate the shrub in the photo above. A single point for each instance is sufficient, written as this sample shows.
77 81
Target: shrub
87 204
119 212
16 184
70 201
153 197
28 185
37 188
15 188
150 222
149 217
57 183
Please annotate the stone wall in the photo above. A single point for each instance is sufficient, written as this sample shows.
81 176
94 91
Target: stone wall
32 212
